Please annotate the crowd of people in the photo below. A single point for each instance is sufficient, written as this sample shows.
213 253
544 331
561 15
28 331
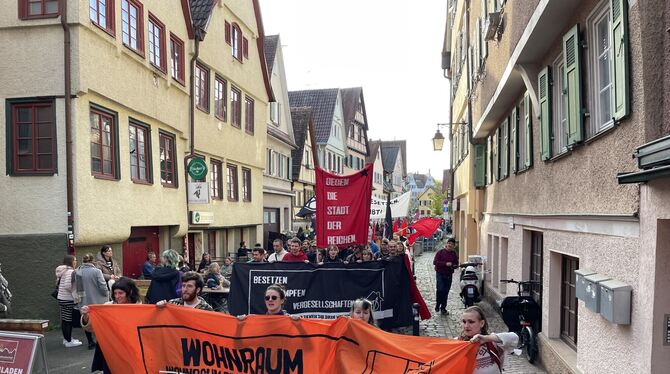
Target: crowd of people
99 281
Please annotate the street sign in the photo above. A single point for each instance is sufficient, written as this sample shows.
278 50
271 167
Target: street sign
197 169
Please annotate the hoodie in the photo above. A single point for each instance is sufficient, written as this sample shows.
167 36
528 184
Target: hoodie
163 284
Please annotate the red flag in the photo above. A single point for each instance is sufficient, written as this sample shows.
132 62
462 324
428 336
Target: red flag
404 226
415 294
395 226
424 227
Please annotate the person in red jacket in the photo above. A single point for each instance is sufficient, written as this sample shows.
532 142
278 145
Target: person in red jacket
296 254
445 261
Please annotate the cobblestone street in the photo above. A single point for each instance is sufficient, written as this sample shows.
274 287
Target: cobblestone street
449 326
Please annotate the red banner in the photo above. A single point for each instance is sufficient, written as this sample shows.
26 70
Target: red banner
146 339
343 207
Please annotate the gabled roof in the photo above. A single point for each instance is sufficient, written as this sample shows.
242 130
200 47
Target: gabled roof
301 118
350 97
428 190
389 156
403 151
322 103
420 180
374 149
270 47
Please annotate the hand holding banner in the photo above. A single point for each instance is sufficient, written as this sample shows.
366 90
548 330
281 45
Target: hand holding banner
145 339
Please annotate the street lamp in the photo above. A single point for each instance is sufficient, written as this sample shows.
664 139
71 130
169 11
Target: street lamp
438 138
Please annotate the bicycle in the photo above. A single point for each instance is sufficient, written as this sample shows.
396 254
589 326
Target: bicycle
521 314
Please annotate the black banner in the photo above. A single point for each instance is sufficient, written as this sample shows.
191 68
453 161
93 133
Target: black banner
326 291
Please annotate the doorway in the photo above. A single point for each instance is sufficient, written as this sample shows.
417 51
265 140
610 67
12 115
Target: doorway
141 241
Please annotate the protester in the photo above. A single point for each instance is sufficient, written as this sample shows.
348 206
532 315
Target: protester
279 251
182 266
191 286
105 262
242 251
165 279
345 253
332 256
366 255
445 261
309 251
67 297
296 254
149 265
384 250
214 279
494 347
124 291
91 287
394 249
257 255
205 262
274 302
320 256
227 268
361 309
356 256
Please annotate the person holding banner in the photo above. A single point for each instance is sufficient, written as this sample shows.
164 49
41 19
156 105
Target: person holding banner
332 256
296 254
275 296
257 255
279 253
494 347
361 309
191 286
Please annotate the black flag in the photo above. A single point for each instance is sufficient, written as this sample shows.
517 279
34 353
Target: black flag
389 220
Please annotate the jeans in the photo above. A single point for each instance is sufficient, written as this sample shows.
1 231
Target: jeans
443 286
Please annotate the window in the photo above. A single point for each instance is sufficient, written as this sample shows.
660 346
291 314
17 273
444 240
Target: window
220 98
140 153
38 9
236 107
101 13
559 123
215 180
249 114
231 181
201 88
536 246
167 158
280 165
103 144
177 53
236 41
131 25
569 300
157 43
246 184
269 168
33 138
601 76
274 112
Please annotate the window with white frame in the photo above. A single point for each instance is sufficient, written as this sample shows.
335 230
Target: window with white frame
559 122
600 78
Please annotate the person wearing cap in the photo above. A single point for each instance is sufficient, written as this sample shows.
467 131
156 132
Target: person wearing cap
445 261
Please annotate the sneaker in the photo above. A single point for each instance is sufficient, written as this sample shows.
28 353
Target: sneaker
444 311
73 343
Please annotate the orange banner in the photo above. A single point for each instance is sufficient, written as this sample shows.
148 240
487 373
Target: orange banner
175 339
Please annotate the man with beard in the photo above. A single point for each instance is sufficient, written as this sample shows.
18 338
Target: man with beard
191 286
296 254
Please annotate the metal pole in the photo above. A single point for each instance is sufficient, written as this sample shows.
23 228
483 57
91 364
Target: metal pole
415 324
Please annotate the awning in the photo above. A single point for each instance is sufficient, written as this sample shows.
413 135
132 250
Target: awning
644 175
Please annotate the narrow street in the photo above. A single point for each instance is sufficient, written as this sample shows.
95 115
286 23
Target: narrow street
449 326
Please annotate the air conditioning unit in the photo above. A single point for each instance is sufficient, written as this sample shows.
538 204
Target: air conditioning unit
491 26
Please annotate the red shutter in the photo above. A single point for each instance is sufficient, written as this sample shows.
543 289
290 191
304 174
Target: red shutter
245 47
227 26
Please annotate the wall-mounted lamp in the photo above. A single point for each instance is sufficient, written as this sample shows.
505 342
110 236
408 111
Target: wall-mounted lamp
438 139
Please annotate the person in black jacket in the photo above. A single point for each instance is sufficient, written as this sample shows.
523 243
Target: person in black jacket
333 254
165 280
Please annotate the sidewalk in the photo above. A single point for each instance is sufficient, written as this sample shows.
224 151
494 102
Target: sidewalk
450 326
61 360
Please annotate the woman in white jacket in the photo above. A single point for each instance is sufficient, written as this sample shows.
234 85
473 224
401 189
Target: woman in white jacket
493 347
67 298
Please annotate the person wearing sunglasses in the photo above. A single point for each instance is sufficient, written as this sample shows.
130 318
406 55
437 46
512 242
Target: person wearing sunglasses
493 347
274 303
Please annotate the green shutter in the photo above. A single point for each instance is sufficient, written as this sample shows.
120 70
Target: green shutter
545 112
505 149
480 165
573 78
619 35
528 118
496 157
514 140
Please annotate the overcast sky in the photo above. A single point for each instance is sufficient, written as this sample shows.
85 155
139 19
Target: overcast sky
390 48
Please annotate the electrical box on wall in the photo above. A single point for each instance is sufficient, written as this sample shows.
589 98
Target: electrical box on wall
580 283
592 297
615 301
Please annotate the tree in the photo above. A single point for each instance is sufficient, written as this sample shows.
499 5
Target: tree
437 200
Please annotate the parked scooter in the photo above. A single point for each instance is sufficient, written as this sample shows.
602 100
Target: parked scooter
470 283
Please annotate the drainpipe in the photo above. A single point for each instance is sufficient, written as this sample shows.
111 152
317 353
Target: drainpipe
68 125
467 32
191 114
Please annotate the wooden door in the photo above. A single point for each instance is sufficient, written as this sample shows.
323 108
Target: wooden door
141 241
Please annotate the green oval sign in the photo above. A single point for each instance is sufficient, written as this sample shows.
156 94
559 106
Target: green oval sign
197 169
